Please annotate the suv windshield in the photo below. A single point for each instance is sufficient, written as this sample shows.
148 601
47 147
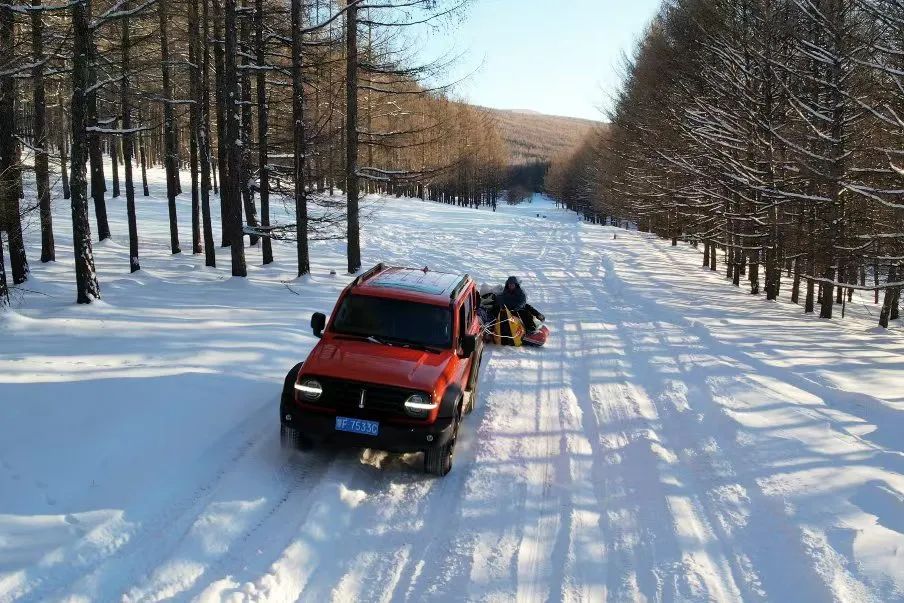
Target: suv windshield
394 321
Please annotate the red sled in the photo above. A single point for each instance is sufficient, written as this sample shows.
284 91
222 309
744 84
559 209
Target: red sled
537 338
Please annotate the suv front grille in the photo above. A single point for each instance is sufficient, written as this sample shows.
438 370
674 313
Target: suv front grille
379 400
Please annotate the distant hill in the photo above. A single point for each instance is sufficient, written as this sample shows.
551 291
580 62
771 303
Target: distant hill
532 136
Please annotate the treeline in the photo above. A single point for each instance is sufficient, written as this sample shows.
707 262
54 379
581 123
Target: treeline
771 132
253 103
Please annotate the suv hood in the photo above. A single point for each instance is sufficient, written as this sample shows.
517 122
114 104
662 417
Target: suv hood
377 363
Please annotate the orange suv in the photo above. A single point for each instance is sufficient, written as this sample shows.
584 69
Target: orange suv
396 367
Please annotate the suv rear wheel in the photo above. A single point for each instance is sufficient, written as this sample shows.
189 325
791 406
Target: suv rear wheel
438 460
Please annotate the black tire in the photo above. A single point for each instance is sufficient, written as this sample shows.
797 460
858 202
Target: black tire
292 439
438 460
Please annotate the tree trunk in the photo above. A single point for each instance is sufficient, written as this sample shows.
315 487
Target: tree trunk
201 132
222 136
795 287
41 144
729 261
773 273
64 145
886 313
809 302
170 160
735 271
195 192
230 185
754 276
894 303
194 125
205 111
128 144
262 124
301 201
95 156
4 288
144 165
842 278
245 81
876 279
331 149
85 276
10 170
827 297
114 164
351 152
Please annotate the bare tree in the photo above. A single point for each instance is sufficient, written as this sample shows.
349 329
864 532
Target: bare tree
128 137
10 168
230 184
171 159
39 134
87 288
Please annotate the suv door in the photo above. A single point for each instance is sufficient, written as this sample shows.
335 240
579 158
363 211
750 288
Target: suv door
469 324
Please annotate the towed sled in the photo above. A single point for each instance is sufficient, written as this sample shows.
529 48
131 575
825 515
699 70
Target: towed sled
506 327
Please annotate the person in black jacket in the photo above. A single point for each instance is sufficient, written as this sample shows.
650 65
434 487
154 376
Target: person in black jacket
514 298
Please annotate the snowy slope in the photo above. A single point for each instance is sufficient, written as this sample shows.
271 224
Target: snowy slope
671 442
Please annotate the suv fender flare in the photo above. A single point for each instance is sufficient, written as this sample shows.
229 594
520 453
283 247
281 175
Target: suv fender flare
451 398
288 393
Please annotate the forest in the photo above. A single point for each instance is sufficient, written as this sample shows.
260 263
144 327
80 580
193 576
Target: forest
771 134
284 113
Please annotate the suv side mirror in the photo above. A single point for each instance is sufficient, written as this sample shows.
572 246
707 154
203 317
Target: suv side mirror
468 345
318 323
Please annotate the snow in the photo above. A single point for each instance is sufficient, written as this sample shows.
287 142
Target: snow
675 440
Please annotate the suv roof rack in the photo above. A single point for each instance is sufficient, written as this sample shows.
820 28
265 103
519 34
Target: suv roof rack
459 287
361 278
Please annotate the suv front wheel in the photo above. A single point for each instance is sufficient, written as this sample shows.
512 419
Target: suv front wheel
438 460
292 439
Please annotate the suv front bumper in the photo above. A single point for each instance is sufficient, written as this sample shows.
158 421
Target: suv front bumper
320 428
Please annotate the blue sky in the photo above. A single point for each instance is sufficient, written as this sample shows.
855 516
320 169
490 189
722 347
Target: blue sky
552 56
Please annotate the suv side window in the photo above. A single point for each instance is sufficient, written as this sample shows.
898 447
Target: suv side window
465 317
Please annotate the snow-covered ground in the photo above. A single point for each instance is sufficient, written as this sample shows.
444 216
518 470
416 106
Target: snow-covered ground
675 440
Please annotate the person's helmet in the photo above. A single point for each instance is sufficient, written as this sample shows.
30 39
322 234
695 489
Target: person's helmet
513 280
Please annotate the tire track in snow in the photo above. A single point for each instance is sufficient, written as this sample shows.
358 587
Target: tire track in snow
283 542
641 465
130 555
619 429
520 553
707 446
286 485
546 513
439 555
819 572
402 517
567 542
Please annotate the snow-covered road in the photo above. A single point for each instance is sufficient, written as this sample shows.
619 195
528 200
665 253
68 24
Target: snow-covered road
673 441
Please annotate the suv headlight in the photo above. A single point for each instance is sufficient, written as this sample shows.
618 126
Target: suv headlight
419 406
310 389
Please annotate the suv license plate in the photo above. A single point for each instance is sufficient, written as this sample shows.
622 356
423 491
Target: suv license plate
361 426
